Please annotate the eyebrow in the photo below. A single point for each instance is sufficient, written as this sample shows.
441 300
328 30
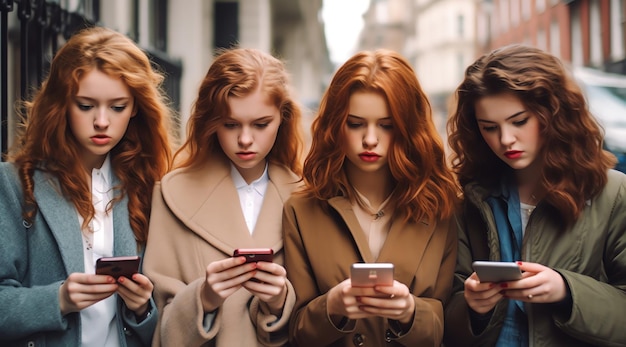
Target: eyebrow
353 116
260 119
507 118
122 98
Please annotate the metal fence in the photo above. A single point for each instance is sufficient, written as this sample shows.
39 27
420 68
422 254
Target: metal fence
42 27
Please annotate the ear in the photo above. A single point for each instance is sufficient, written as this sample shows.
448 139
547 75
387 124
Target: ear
135 109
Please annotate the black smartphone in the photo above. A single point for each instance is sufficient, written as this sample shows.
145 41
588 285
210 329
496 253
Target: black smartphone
118 266
371 274
255 254
497 271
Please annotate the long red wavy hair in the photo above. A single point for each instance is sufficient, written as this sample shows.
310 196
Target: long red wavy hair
425 187
239 72
574 163
46 142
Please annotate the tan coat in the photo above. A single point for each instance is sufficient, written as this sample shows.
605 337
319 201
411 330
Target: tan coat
197 219
321 245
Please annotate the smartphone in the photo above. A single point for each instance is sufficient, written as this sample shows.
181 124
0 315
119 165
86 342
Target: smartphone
255 254
118 266
497 271
371 274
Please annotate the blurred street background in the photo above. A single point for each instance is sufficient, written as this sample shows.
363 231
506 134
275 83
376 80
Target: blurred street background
439 37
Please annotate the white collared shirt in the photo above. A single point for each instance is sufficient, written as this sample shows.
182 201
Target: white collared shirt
250 195
99 327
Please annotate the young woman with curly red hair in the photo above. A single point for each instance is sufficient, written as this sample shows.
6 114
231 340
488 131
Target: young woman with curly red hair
78 188
538 190
377 189
240 162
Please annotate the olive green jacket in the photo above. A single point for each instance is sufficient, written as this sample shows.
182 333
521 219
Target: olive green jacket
590 255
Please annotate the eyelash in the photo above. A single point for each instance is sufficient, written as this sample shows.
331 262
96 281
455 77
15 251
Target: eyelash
257 125
356 125
115 108
516 123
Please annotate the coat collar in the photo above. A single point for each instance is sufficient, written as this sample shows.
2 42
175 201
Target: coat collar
62 219
205 199
405 240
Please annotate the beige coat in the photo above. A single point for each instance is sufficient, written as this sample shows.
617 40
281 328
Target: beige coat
320 246
197 219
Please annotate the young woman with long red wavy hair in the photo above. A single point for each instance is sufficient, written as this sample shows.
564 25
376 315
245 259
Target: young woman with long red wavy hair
538 190
377 189
77 188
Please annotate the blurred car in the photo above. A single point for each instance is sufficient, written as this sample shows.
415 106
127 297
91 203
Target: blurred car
606 95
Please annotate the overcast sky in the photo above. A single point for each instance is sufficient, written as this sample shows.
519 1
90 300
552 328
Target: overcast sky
343 21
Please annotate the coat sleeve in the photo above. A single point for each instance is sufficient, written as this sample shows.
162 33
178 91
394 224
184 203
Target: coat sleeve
428 321
598 306
25 310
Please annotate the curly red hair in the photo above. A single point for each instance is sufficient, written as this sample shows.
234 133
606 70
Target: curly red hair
575 164
425 187
140 159
239 72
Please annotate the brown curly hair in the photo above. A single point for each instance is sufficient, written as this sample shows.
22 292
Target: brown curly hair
574 162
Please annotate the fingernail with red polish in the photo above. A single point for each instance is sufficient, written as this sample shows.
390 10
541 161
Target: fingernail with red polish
519 263
504 285
121 279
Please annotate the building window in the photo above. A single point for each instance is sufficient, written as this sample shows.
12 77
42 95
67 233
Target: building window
226 24
461 25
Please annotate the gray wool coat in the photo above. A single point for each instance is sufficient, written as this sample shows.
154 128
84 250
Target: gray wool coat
35 261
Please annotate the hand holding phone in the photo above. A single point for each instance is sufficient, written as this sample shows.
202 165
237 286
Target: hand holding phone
255 254
118 266
497 271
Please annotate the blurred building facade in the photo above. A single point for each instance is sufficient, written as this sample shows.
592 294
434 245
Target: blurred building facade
589 33
438 37
442 37
180 36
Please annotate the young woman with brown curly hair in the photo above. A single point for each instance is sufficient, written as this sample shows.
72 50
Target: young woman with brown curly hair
240 162
539 191
377 189
78 188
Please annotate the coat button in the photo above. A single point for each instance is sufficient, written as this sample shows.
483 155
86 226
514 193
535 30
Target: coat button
358 340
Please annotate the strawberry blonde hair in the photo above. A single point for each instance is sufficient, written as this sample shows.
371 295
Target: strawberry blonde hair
574 163
238 72
46 143
425 187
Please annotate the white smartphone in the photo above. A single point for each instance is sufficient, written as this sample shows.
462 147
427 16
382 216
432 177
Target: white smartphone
371 274
497 271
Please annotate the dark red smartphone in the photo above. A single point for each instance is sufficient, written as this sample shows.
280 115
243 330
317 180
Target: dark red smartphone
118 266
255 254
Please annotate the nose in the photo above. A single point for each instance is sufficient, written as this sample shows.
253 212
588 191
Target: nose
507 137
370 138
245 137
101 120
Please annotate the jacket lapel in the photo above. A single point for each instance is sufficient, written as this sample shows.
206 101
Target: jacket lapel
62 219
405 244
344 208
206 201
